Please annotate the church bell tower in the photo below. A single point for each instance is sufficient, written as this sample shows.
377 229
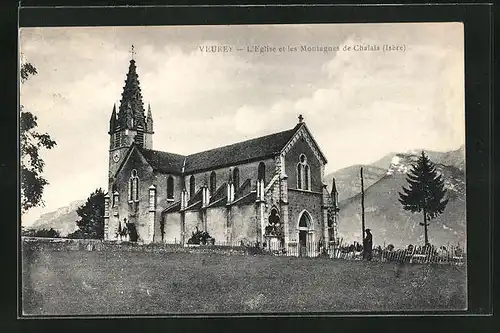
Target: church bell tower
130 124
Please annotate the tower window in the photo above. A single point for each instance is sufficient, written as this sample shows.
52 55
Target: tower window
170 187
192 186
133 189
139 138
117 139
213 182
303 174
261 171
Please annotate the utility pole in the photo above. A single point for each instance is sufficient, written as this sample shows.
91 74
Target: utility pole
362 207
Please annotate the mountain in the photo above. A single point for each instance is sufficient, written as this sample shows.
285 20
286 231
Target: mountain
62 219
389 222
348 180
454 158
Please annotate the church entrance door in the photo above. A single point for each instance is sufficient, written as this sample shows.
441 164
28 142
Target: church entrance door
303 243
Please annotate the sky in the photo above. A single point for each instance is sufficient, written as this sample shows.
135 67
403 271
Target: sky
359 104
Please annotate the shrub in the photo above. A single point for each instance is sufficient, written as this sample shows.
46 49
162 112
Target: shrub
49 233
200 237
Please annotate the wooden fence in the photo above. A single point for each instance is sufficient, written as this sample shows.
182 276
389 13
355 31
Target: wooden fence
412 254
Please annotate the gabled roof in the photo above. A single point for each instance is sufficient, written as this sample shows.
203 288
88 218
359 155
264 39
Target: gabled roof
164 162
304 132
253 149
237 153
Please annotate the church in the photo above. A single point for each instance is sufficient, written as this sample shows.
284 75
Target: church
265 190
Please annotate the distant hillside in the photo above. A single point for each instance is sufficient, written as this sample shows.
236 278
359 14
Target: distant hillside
393 225
63 219
348 180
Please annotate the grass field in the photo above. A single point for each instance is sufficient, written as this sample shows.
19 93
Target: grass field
104 283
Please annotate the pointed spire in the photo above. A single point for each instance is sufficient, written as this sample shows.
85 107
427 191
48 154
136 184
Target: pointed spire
149 120
131 104
149 111
334 193
334 187
112 120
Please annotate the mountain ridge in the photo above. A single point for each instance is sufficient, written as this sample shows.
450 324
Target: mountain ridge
390 223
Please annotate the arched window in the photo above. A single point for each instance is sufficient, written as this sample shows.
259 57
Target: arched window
306 178
213 182
133 188
303 174
261 171
192 186
170 187
299 176
236 178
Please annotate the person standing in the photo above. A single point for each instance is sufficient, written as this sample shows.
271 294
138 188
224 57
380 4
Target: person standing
368 245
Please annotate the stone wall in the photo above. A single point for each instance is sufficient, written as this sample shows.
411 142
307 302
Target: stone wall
192 221
160 181
300 201
292 159
244 224
172 228
217 223
125 208
62 244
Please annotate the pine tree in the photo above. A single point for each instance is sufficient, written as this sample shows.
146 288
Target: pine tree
426 192
91 223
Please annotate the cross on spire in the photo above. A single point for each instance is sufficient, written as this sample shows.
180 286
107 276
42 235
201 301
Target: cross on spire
132 52
301 119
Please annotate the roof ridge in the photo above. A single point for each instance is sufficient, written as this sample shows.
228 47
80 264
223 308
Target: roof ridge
162 151
244 141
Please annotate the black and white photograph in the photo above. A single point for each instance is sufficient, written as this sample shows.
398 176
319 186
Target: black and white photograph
242 169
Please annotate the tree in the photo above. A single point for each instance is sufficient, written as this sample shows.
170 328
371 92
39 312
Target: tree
31 142
77 234
91 223
50 233
426 192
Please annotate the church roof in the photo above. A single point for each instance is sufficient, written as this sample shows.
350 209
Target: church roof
258 148
237 153
163 161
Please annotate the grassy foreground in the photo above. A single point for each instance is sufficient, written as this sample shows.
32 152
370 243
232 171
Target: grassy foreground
106 283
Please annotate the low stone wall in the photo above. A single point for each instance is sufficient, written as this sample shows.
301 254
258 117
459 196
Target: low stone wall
64 244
